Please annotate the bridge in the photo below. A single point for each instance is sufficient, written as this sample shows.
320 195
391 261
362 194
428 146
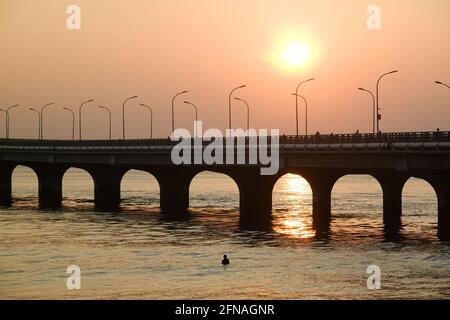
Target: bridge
391 158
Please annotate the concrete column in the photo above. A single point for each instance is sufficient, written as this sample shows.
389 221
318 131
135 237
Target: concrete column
441 185
174 189
106 187
50 186
255 201
5 184
255 197
321 183
444 210
392 185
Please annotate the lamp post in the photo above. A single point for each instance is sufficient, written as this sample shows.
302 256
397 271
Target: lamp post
173 108
7 119
248 111
151 118
73 122
306 111
196 116
377 99
42 118
79 114
296 106
123 115
443 84
373 107
229 104
39 121
109 115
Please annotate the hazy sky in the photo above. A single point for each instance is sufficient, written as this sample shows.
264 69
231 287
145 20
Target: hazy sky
156 48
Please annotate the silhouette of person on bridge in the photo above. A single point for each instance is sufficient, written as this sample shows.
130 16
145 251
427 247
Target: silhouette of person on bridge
225 260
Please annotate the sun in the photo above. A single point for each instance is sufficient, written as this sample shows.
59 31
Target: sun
295 54
292 53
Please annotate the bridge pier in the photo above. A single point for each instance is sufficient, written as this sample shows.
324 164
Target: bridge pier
255 198
107 188
5 185
321 183
50 186
441 185
392 186
174 189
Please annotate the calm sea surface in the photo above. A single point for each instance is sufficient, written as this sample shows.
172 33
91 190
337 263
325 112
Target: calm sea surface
138 254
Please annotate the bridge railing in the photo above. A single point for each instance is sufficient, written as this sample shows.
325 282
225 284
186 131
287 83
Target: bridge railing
431 136
434 136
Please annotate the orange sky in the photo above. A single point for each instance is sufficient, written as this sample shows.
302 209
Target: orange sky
156 48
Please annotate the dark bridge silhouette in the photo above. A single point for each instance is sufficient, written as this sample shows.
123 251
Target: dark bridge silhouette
392 158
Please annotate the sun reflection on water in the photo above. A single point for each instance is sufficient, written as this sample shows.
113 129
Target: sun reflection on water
292 216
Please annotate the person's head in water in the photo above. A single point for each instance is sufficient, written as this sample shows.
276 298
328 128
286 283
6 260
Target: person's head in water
225 260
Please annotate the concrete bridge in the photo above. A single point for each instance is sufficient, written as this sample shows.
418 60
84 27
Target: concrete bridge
391 158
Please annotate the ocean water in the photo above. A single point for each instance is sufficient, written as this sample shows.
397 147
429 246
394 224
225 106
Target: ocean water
138 253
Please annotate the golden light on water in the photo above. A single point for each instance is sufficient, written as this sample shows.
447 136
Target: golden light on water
294 221
296 184
295 227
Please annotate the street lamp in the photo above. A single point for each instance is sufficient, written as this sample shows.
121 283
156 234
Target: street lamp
373 107
39 121
79 114
378 104
42 118
196 116
123 115
173 112
306 112
151 118
296 107
248 112
441 83
109 114
229 104
73 121
7 119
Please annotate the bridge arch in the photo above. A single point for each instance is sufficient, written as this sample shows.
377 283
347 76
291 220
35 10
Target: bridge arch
292 206
139 187
357 205
24 183
77 186
203 186
420 207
